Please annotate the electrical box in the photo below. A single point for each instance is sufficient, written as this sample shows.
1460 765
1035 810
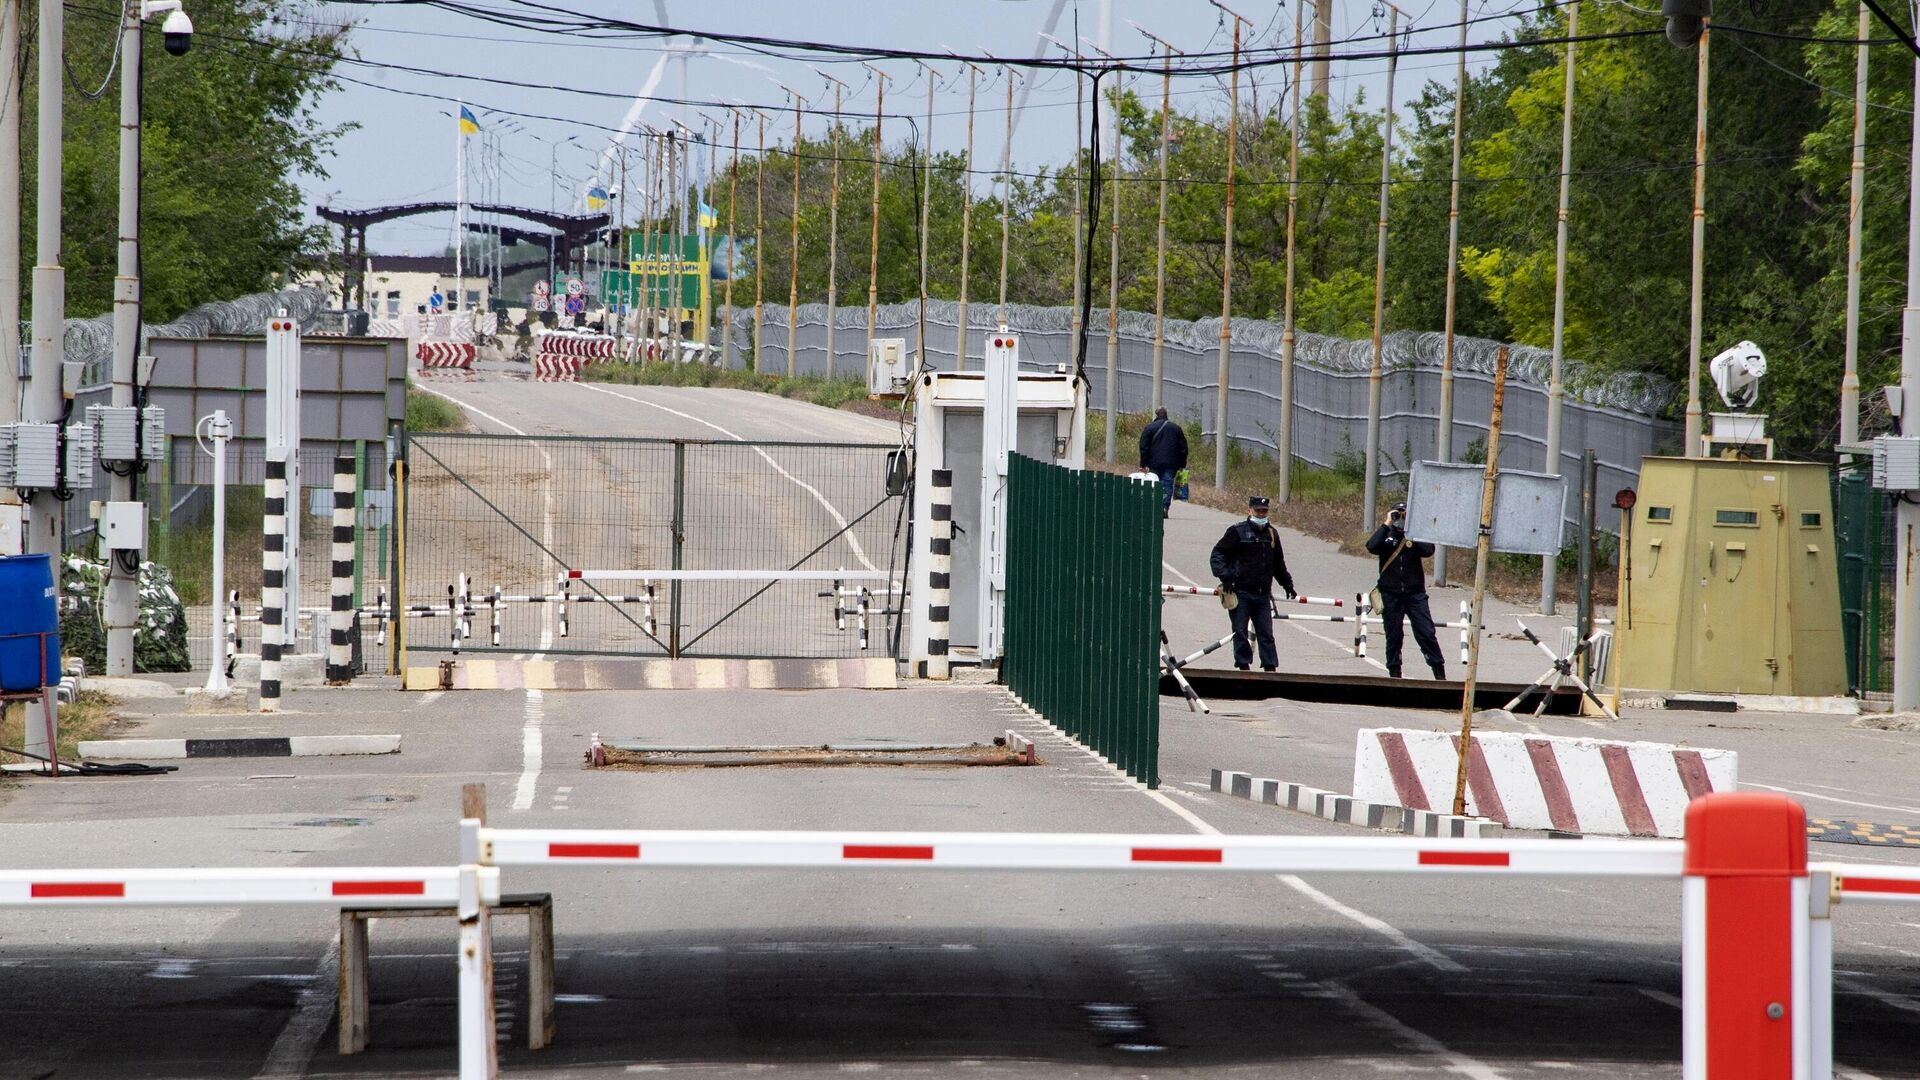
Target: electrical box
153 433
1732 580
80 455
1896 463
888 368
36 455
123 526
115 430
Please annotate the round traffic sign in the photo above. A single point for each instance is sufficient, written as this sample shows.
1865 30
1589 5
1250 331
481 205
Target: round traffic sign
541 288
575 287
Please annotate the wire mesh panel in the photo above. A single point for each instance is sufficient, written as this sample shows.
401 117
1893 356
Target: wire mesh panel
518 515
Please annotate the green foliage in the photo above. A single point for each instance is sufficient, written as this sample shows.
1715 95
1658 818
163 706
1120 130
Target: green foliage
431 412
227 130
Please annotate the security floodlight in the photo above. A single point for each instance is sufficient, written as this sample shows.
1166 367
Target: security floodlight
1736 374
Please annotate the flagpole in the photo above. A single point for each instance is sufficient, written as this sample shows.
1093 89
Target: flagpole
459 203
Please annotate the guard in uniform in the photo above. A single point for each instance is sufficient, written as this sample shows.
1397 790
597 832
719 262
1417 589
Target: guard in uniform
1248 561
1403 591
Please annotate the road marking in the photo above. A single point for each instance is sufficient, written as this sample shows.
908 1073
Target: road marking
1890 1000
1425 953
1830 798
293 1049
1457 1062
1660 996
530 752
833 512
1175 571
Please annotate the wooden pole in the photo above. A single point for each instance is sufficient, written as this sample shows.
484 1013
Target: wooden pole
1113 268
1443 432
1283 488
966 226
793 257
1481 549
1372 490
833 223
1225 372
759 232
1695 304
926 212
1850 374
733 192
873 250
1006 196
1556 385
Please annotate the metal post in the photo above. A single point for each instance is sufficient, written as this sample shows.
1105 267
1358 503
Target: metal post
1443 434
44 396
220 430
1556 386
873 250
966 227
733 247
478 1038
1699 247
1160 227
926 214
1367 514
759 222
679 545
1113 244
833 225
1225 372
1079 208
123 585
1283 490
1906 593
273 591
1480 579
1583 602
10 12
1006 196
1850 378
1322 38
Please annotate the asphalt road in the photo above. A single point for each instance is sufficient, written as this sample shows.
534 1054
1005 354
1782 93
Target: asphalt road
1017 975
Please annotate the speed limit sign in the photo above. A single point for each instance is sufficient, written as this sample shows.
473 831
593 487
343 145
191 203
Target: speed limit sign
575 287
542 288
540 302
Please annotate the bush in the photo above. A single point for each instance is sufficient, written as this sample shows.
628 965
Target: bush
160 636
431 412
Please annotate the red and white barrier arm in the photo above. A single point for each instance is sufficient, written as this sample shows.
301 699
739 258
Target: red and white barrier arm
1080 851
392 886
1851 882
1193 590
728 575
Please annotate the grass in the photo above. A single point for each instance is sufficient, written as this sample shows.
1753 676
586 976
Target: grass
87 717
1327 504
814 389
430 412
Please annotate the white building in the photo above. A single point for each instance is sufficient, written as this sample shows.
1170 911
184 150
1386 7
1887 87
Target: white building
400 285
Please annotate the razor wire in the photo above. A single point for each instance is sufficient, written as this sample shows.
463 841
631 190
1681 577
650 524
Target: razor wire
90 341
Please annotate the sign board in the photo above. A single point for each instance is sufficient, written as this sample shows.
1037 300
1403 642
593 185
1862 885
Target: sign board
436 302
541 288
655 278
576 287
540 302
1443 507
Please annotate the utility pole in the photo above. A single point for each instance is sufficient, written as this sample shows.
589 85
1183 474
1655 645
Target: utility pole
833 220
926 208
1380 276
873 251
1006 194
793 259
1079 126
1695 305
966 226
1850 378
733 248
1283 490
122 612
1556 385
1906 602
1322 43
1443 434
1160 243
1105 48
759 223
1225 373
44 393
649 237
10 12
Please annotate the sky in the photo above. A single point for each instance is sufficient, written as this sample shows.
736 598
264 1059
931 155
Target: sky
403 149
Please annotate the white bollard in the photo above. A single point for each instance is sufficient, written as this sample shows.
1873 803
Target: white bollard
1466 627
340 609
220 640
1364 608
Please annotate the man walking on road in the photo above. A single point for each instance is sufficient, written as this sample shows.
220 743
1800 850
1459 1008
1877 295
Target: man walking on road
1403 590
1163 452
1248 561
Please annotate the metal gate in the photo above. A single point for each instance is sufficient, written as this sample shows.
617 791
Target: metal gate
650 547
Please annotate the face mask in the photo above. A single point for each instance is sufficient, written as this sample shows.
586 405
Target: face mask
1256 520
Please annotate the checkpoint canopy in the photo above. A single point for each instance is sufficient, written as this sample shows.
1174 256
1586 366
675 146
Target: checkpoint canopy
655 280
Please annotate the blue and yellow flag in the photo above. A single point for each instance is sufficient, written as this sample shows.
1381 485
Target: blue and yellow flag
709 217
468 125
596 197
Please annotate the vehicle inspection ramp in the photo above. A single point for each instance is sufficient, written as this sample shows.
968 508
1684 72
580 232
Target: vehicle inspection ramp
1411 693
475 673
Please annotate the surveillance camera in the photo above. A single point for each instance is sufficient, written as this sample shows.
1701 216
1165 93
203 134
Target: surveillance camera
177 33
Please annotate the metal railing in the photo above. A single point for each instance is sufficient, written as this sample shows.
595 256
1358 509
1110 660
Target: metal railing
1083 608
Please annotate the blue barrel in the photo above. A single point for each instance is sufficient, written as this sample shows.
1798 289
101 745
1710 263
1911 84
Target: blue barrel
29 618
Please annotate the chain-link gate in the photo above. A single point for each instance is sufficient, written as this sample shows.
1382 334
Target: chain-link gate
651 547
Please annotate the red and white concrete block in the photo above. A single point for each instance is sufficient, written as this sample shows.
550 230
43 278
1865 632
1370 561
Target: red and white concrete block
445 354
586 346
1552 782
550 368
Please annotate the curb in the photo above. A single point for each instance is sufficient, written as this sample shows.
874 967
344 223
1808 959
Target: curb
1347 810
282 746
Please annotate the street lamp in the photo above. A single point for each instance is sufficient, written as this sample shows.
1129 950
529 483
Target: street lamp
123 567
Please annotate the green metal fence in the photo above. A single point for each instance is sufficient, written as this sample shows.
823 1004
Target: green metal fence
1083 608
1864 531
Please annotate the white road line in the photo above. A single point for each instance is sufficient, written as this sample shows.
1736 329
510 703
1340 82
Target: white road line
1175 571
833 512
530 752
1424 953
1457 1062
1661 996
294 1047
1890 1000
1829 798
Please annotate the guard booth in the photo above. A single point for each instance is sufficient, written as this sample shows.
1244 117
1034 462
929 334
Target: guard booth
949 433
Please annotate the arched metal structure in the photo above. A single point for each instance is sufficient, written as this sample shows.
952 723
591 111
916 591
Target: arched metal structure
569 232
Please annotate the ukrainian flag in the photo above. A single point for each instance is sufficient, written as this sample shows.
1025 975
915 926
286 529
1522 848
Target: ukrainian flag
468 125
709 217
596 197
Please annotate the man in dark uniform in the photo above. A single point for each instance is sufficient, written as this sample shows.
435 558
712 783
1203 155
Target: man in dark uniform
1163 452
1248 561
1403 590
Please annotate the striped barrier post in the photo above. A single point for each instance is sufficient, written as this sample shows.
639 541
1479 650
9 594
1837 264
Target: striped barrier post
1466 625
233 631
1365 608
939 577
340 615
273 584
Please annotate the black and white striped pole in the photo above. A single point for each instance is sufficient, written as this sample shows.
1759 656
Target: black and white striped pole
940 576
340 610
273 584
